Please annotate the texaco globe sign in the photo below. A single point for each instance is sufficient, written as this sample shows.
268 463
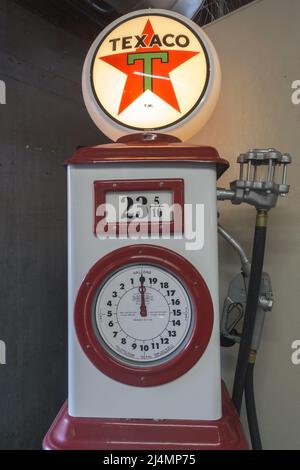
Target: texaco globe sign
151 70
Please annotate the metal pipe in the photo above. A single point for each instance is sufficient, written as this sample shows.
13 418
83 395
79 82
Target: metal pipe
284 173
225 194
255 173
246 266
241 170
270 170
249 170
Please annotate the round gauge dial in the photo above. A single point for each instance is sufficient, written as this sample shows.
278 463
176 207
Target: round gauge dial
142 314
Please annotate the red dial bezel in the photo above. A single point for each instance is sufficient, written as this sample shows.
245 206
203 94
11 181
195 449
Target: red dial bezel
201 303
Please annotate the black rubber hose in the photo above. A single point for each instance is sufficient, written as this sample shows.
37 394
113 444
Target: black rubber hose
251 409
251 309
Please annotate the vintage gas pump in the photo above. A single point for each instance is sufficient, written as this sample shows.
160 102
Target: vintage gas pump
144 335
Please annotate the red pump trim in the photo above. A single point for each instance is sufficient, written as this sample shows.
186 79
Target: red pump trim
70 433
201 302
138 148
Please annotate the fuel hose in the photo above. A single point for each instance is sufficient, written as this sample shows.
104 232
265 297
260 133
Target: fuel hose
250 311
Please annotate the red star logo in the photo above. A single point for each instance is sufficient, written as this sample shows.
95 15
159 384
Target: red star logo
148 68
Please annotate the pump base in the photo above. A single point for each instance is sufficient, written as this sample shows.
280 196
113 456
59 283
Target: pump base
69 433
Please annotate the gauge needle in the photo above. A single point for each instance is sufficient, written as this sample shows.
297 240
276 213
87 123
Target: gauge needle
142 290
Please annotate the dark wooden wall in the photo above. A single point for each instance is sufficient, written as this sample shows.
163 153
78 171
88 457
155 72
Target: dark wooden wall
42 122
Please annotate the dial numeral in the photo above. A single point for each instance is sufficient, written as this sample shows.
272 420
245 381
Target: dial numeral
164 285
172 334
164 340
170 293
176 313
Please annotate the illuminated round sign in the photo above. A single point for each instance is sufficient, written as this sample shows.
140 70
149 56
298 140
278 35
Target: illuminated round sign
151 70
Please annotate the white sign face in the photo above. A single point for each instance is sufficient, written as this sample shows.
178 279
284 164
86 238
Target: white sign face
143 314
141 206
151 70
